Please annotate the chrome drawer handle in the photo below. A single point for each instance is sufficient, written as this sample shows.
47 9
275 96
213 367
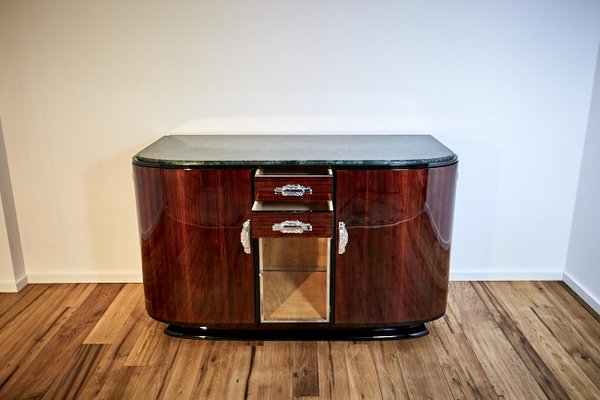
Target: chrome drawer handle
292 227
245 237
293 189
343 238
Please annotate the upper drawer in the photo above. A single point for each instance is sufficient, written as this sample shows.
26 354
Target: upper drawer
293 184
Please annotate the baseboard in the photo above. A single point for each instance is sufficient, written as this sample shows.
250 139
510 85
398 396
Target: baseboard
136 276
13 287
582 291
8 287
85 277
22 282
503 275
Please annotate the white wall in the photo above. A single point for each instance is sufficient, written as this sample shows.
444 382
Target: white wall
582 270
506 85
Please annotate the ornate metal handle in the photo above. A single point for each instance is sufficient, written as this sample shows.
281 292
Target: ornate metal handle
292 227
343 241
293 189
245 237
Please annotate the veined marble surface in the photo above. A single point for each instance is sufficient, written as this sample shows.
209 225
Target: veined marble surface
306 150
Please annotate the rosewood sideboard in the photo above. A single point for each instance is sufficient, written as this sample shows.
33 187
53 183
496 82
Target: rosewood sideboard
295 236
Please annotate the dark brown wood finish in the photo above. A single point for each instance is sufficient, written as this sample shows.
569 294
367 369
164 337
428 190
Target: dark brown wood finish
399 223
264 188
262 223
194 268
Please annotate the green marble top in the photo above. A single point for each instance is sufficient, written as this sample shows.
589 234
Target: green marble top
308 150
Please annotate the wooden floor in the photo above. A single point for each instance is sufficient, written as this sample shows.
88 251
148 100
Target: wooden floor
520 340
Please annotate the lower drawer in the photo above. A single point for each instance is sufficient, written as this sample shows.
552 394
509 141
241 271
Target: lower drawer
287 224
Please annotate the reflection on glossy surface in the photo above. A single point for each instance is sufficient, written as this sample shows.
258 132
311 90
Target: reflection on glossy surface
396 264
194 266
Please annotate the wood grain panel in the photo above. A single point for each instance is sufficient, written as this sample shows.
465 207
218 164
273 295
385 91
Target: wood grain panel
264 188
399 222
262 223
194 267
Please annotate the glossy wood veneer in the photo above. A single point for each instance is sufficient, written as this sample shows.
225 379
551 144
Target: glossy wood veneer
264 188
262 223
194 268
395 267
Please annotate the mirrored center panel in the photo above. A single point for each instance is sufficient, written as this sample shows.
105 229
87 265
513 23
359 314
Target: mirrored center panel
294 279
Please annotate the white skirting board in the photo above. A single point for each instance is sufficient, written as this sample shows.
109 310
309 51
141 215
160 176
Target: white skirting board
86 277
504 275
13 287
136 276
582 291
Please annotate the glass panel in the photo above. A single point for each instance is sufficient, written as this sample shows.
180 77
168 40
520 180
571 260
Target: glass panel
294 284
294 253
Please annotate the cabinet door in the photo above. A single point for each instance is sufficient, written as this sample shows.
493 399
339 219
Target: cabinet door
194 266
395 265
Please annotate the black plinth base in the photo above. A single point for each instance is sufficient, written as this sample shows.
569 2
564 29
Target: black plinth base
403 332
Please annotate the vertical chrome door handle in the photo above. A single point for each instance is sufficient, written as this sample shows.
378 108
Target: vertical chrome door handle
245 237
343 239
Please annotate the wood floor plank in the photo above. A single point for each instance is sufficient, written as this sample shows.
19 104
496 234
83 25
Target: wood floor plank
7 300
578 316
326 381
503 366
116 316
153 347
70 384
566 289
24 303
543 375
187 369
339 381
554 362
362 376
60 349
465 375
111 369
222 376
583 349
423 373
78 293
305 375
389 370
271 376
21 338
141 382
579 336
494 341
241 367
29 344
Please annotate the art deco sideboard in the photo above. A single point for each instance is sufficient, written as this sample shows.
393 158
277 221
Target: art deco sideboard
295 237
